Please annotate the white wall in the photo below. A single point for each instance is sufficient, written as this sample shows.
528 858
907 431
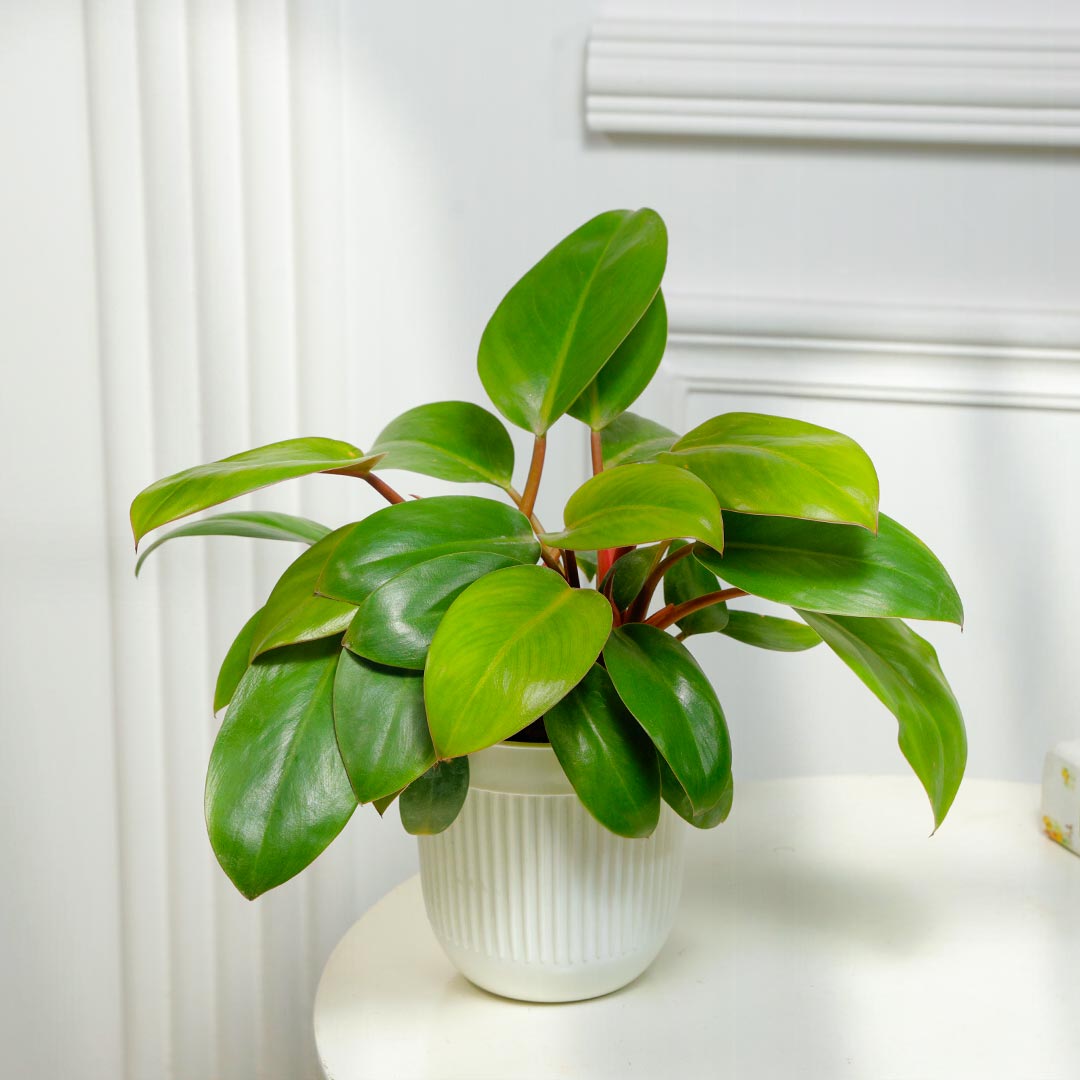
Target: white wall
230 222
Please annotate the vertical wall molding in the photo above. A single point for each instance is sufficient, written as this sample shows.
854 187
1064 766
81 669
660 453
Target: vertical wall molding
217 157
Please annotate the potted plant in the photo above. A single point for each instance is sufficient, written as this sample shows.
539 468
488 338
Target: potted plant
543 736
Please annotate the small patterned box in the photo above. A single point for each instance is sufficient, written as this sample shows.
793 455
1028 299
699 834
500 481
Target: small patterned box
1061 795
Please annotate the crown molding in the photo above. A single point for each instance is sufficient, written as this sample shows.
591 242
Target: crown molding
789 81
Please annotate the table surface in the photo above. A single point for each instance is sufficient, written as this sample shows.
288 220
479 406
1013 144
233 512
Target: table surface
822 934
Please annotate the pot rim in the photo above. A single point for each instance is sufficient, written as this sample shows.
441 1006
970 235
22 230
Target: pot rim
518 768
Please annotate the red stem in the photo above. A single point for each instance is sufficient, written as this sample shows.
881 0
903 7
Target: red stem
668 616
536 468
383 488
605 556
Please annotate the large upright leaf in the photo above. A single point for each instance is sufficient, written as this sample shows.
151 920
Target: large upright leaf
381 727
450 440
396 623
619 383
835 568
638 504
631 439
606 756
196 489
663 686
293 613
430 803
687 580
257 524
771 465
511 645
557 327
400 536
276 790
902 670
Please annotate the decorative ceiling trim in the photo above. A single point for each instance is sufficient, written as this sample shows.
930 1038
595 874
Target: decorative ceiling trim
879 84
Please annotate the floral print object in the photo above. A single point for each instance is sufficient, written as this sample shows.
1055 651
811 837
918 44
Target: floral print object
1061 795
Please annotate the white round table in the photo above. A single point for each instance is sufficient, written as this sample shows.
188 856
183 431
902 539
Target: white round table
822 934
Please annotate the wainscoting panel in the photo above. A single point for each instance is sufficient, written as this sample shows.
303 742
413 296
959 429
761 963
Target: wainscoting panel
973 419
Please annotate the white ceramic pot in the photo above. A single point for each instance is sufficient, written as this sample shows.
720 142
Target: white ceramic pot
532 898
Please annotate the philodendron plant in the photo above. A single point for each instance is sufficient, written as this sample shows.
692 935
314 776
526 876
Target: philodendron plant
396 646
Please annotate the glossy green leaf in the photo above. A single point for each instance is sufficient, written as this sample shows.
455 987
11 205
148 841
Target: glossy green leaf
621 380
678 800
430 804
196 489
257 524
687 580
633 440
276 790
772 465
293 612
769 632
638 504
396 623
397 537
450 440
558 326
511 646
628 574
902 670
661 683
586 561
606 756
381 726
835 568
235 663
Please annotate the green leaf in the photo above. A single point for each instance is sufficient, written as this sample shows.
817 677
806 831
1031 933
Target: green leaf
586 561
558 326
382 805
769 632
677 799
619 383
835 568
276 790
662 685
235 663
293 612
628 574
606 756
431 803
397 537
196 489
632 440
687 580
450 440
258 524
397 621
512 645
902 670
771 465
638 504
381 727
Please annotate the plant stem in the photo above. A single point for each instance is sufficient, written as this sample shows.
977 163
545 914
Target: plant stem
550 555
571 569
383 488
605 556
532 483
672 613
640 606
